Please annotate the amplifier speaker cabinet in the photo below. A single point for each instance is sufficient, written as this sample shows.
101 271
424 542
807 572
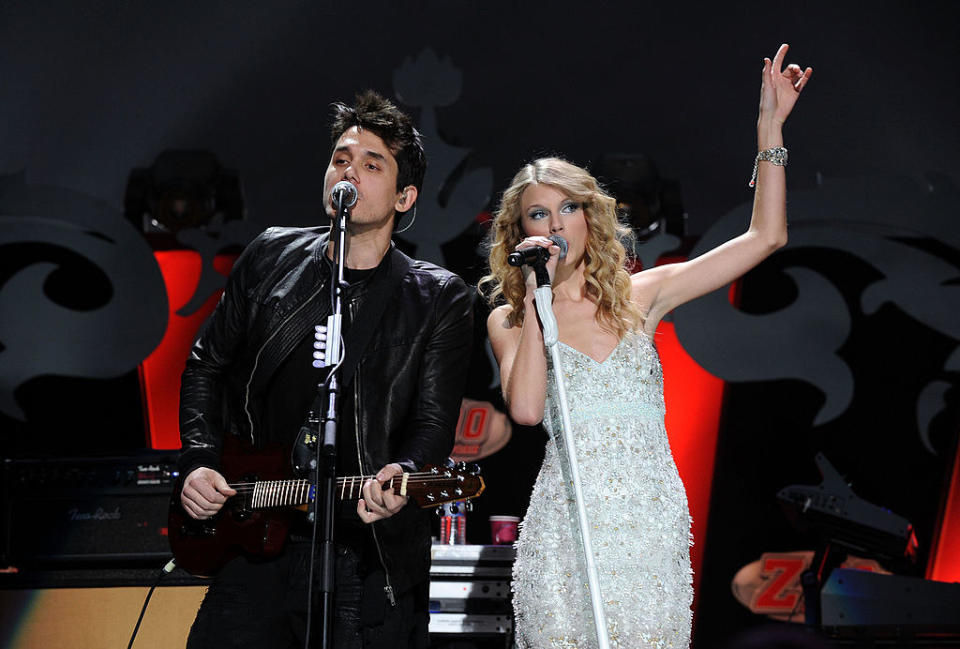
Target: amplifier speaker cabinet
86 510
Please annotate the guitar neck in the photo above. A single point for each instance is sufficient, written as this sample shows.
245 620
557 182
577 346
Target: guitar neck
429 487
263 494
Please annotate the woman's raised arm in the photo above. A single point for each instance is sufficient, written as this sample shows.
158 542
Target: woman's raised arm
663 288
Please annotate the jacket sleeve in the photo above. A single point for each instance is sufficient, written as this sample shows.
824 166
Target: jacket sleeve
203 383
431 431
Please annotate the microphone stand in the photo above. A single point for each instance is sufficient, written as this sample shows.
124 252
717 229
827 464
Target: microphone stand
325 463
543 298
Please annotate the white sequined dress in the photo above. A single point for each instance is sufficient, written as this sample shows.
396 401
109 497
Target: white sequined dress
636 504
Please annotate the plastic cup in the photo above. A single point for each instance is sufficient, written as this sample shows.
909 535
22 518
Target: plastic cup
503 529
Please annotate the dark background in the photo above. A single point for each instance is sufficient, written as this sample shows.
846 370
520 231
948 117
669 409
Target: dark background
89 92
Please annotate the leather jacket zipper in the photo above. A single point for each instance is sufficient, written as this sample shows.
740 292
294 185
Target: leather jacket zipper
388 588
256 360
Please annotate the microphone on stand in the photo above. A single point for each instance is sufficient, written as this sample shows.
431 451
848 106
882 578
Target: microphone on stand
344 194
535 255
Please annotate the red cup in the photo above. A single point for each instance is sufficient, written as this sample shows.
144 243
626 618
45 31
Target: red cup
503 529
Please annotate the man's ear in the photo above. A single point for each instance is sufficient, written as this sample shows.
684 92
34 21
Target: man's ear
408 196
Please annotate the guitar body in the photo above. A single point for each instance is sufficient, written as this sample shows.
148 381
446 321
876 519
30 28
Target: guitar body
202 548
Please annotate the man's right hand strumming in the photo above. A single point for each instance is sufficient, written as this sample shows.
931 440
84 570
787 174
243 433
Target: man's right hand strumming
204 492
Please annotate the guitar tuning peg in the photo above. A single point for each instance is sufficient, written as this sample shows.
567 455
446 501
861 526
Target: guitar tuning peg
474 469
461 466
439 512
454 508
468 506
449 463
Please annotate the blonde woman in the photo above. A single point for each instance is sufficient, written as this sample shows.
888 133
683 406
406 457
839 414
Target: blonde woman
640 523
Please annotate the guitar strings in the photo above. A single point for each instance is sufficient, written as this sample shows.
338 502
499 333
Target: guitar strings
417 477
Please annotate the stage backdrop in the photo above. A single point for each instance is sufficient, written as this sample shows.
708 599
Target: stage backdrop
845 342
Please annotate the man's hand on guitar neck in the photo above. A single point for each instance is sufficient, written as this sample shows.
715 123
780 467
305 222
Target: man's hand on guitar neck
377 503
204 492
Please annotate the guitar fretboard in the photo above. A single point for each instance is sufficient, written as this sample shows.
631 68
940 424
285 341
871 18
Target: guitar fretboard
284 493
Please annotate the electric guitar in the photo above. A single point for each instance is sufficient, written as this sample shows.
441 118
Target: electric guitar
255 522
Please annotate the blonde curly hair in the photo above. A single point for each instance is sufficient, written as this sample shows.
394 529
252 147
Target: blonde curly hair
608 282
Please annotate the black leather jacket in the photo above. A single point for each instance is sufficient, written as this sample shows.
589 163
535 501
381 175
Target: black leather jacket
407 389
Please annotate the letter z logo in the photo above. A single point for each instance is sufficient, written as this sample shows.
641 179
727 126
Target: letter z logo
780 590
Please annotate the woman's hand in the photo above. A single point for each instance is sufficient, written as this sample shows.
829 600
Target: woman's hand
530 277
780 87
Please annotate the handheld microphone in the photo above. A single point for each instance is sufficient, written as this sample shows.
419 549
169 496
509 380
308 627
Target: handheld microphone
561 243
344 194
537 254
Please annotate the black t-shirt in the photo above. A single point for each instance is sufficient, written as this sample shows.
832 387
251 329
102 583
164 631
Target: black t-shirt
292 391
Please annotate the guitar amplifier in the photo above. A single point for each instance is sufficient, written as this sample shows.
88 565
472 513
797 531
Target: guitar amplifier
86 510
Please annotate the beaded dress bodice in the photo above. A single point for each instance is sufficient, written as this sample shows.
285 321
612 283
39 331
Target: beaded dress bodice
635 502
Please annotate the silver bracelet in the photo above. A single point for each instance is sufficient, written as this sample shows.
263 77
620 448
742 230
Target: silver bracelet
777 155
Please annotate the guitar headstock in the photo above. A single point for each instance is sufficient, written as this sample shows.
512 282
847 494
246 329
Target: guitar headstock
437 485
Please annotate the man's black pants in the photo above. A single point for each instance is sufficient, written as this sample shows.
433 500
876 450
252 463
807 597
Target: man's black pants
263 606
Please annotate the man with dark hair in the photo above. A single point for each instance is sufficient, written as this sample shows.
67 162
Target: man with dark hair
391 125
250 375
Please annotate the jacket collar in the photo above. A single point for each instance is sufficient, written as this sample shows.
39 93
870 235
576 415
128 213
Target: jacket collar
357 287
